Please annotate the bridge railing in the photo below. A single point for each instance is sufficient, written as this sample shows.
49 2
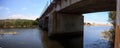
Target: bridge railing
45 8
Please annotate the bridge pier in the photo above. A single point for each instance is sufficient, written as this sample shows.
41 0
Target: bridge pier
67 29
66 23
117 33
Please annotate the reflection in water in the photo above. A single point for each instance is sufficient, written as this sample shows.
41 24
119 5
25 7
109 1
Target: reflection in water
36 38
49 43
60 42
72 43
93 38
98 44
8 33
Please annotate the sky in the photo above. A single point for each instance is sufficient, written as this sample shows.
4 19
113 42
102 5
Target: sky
97 17
23 9
32 9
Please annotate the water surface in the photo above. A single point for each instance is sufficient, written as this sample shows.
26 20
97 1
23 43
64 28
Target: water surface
24 38
36 38
93 38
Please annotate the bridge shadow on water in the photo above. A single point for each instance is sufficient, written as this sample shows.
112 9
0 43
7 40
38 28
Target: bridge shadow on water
47 43
70 42
60 42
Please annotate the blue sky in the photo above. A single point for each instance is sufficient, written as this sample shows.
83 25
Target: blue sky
97 17
31 9
28 9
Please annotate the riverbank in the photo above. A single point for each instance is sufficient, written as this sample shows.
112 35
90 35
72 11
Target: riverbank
99 25
19 27
18 23
12 27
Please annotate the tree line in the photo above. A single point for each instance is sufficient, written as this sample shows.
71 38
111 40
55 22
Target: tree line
112 20
18 23
111 33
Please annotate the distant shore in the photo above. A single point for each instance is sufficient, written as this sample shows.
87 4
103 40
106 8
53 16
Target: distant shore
11 27
18 23
97 24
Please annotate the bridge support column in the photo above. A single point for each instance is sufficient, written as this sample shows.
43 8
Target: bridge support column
67 28
67 23
117 33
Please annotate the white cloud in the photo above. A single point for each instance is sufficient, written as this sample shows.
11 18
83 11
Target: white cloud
8 11
4 8
19 16
24 8
7 8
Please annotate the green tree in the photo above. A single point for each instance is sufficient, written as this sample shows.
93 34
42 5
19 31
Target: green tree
111 33
18 23
112 20
1 24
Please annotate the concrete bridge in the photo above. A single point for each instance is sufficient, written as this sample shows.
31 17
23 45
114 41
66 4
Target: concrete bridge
64 20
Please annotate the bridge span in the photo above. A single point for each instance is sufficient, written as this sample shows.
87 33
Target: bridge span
63 19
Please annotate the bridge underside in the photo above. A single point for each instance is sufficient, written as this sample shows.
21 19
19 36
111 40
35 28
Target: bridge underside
67 23
88 6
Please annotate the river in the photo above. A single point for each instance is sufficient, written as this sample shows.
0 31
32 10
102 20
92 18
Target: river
36 38
24 38
93 38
